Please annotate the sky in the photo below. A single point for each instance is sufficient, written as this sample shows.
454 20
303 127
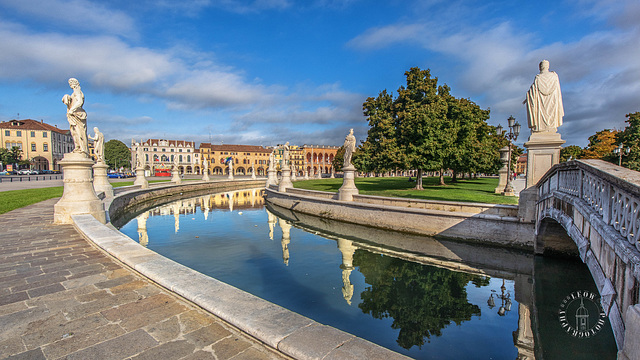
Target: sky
265 72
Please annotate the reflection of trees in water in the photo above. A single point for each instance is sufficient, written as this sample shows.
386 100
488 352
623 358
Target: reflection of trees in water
421 299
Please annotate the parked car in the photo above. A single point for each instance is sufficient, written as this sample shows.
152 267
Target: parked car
115 176
34 172
24 172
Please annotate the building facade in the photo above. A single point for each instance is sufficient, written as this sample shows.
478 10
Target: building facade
245 158
42 144
319 158
159 155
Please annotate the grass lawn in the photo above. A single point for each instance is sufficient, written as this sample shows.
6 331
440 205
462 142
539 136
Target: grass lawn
15 199
479 190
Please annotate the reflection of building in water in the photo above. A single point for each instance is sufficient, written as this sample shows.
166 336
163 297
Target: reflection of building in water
272 223
523 337
143 237
346 249
242 199
286 239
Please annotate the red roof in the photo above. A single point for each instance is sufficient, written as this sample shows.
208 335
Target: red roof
236 148
29 124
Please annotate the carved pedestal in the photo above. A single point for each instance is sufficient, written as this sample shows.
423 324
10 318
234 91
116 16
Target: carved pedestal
543 152
175 176
272 177
205 176
285 182
100 179
348 188
141 180
502 173
230 175
306 175
78 197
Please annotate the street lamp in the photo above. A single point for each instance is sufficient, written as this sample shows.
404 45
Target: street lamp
505 300
514 131
619 150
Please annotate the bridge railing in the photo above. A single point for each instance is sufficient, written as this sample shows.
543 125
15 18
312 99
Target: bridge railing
611 191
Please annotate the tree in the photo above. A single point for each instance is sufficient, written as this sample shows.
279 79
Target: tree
12 156
572 151
382 138
630 137
117 154
601 146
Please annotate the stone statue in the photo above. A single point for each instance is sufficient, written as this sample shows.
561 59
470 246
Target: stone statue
230 167
205 165
286 154
77 117
349 148
98 144
544 101
139 155
272 160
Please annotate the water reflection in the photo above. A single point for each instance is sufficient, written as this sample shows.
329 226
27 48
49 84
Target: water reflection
423 297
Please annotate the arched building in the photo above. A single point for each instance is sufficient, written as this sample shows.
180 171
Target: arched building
160 154
245 158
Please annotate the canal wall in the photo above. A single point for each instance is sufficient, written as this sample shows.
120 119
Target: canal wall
484 223
285 331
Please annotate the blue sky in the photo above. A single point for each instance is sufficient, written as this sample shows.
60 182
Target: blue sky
265 72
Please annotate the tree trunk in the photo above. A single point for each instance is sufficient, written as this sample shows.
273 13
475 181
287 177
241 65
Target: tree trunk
454 178
442 177
419 180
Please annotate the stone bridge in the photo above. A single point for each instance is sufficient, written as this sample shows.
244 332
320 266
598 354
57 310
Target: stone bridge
597 204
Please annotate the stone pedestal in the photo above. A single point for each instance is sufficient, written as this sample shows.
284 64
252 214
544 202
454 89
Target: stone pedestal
230 177
348 188
333 173
502 173
175 176
100 179
306 175
78 197
285 182
319 174
293 175
140 179
543 152
272 177
205 176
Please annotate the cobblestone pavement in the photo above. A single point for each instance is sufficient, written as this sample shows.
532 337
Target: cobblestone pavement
62 298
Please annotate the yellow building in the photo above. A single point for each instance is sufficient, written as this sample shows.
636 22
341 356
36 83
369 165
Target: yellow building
42 144
319 158
245 158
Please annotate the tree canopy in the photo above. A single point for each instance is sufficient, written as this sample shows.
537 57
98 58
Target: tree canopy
117 154
10 156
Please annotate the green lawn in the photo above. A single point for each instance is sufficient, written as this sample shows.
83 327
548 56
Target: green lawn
15 199
479 190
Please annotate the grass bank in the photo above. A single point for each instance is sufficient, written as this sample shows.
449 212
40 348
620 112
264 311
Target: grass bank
477 190
15 199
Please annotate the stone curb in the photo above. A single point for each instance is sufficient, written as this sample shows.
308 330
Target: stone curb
282 329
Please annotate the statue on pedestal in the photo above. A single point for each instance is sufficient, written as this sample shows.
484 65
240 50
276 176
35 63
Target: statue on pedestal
544 101
139 155
349 148
98 144
77 117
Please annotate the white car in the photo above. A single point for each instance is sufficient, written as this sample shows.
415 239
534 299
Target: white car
24 172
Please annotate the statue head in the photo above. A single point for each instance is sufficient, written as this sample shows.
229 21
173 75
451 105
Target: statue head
95 130
73 83
544 65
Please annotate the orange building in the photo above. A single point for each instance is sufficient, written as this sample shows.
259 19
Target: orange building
245 158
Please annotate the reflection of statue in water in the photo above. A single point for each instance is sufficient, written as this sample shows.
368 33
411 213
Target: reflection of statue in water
76 116
349 148
544 101
98 144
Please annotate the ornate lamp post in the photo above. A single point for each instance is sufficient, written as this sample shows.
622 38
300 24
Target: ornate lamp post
620 151
514 131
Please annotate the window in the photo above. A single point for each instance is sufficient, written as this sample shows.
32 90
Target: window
180 158
164 158
155 149
146 157
18 133
33 134
163 150
45 147
155 157
172 150
44 134
33 147
7 133
188 150
179 150
188 158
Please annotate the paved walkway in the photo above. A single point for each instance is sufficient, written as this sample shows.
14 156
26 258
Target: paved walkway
62 298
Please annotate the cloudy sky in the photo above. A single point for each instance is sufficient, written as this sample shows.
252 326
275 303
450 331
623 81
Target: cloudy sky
264 72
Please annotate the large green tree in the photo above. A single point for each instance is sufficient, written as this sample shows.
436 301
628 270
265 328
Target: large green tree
11 156
630 137
601 145
382 146
117 154
570 152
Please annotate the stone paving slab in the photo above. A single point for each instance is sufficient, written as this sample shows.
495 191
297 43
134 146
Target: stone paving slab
62 298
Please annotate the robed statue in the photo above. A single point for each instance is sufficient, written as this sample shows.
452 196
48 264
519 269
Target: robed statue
544 101
77 117
349 148
98 144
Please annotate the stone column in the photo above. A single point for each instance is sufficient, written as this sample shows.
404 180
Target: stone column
175 176
78 197
543 152
285 182
100 179
141 180
502 173
348 188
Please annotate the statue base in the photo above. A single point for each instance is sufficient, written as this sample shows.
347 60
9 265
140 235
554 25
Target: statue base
543 151
78 197
285 182
230 176
272 178
306 175
205 176
175 176
141 180
100 179
348 188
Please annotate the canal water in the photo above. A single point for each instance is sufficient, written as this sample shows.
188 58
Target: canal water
422 297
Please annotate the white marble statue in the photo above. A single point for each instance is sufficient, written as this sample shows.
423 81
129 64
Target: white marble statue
175 161
230 162
544 101
286 154
349 148
139 155
205 165
77 117
272 160
98 144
